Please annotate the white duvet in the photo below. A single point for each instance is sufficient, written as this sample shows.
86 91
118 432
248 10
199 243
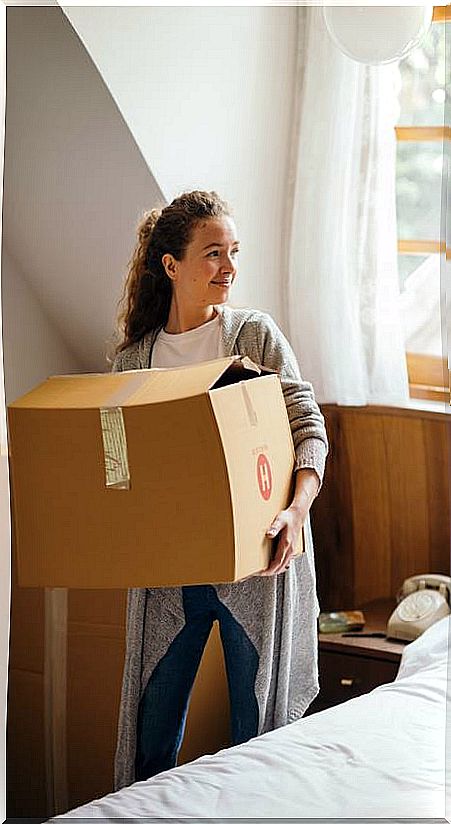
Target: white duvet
378 756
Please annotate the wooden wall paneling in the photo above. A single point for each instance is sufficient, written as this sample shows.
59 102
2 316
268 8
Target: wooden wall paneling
384 511
437 440
370 505
408 497
332 524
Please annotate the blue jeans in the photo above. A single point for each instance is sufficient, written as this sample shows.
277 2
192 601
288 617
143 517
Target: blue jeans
163 707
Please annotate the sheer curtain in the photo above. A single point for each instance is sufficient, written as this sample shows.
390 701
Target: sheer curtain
342 293
5 528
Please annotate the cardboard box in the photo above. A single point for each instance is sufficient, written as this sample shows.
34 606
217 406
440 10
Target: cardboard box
150 477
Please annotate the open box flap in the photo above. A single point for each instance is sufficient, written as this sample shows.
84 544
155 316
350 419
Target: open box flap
242 368
136 387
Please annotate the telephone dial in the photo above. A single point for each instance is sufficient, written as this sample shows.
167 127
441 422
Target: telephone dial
422 600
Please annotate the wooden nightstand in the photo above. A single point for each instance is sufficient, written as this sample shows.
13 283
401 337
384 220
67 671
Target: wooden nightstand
352 666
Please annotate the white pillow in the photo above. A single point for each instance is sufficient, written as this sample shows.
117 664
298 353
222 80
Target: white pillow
429 650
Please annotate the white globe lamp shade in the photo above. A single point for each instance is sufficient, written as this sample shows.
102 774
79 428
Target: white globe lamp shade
377 34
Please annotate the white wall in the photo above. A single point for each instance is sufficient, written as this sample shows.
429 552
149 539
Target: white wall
207 95
75 182
33 348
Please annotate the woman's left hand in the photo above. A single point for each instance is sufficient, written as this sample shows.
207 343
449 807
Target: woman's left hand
289 522
287 526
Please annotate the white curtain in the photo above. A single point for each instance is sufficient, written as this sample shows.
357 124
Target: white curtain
342 295
5 527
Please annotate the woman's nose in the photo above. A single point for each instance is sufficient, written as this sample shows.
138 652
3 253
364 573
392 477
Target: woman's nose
228 264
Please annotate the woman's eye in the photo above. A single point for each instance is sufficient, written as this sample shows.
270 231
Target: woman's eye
215 253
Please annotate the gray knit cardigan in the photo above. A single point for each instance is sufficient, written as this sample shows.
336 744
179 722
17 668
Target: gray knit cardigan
279 613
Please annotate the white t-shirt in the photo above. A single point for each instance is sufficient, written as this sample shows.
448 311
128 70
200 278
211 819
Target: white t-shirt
180 349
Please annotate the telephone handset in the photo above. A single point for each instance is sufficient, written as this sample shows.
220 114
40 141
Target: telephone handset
422 600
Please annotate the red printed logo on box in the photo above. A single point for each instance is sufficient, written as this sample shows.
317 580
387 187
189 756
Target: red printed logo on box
264 477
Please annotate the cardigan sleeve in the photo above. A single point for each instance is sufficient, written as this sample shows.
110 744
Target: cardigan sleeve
127 359
117 363
306 420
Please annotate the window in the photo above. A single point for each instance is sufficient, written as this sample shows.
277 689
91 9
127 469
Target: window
421 133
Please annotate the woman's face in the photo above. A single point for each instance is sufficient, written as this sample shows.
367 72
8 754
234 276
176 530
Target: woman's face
205 274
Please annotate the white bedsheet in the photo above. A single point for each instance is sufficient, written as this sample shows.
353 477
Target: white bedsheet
378 756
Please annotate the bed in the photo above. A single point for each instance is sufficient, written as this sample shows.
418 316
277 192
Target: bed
381 755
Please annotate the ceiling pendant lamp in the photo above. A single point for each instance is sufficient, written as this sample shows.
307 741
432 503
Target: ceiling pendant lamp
377 34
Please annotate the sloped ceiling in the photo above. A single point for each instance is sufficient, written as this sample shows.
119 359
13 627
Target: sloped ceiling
75 181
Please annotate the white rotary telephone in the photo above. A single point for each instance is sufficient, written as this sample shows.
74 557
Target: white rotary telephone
422 600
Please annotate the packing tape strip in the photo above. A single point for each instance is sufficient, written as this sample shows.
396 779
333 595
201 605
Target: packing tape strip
117 472
114 439
251 413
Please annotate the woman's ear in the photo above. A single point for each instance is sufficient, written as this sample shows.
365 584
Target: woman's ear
170 266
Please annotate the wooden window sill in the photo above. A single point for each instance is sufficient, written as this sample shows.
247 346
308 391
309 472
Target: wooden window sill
421 391
413 407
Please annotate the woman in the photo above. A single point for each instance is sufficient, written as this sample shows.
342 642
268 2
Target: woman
175 313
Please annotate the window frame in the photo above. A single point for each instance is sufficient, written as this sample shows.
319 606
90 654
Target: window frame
429 377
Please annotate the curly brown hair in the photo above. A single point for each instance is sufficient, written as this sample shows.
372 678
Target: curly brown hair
146 298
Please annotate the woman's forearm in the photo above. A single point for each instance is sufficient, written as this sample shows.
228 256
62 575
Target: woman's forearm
306 488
